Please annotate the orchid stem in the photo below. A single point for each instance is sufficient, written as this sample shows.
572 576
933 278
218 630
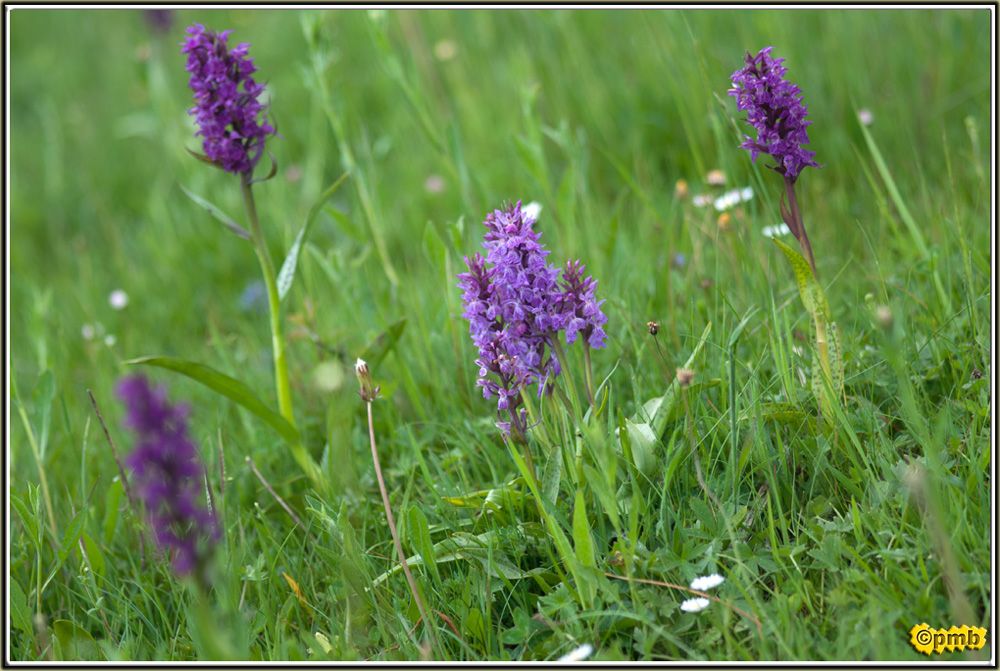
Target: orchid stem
283 388
799 229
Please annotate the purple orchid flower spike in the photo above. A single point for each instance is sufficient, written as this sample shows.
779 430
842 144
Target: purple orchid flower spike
227 106
168 475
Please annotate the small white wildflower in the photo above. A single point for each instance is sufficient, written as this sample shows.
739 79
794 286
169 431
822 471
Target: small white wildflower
695 605
732 198
87 331
110 340
865 116
775 231
707 582
716 177
118 299
578 654
702 200
532 210
445 50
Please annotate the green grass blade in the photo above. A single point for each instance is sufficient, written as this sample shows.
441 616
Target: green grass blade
229 387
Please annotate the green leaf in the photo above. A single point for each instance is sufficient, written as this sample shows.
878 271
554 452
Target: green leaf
94 555
551 477
75 641
809 289
582 539
71 536
20 614
420 537
112 509
599 485
222 384
383 344
218 214
643 441
287 273
30 522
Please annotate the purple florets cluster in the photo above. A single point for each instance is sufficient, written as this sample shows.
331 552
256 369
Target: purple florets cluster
226 100
774 107
168 474
579 308
516 306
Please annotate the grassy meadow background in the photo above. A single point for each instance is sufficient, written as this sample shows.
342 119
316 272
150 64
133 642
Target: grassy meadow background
836 538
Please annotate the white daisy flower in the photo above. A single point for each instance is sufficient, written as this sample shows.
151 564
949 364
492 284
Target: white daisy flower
695 605
87 331
776 231
532 210
702 200
707 582
732 198
118 299
578 654
110 340
865 116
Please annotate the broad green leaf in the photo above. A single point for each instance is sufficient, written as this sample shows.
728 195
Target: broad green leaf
383 344
420 537
20 614
582 539
218 214
809 289
30 522
551 477
287 273
222 384
71 536
75 641
643 441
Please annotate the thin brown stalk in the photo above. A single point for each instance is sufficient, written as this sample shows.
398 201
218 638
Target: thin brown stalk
277 497
392 526
133 506
114 452
682 588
